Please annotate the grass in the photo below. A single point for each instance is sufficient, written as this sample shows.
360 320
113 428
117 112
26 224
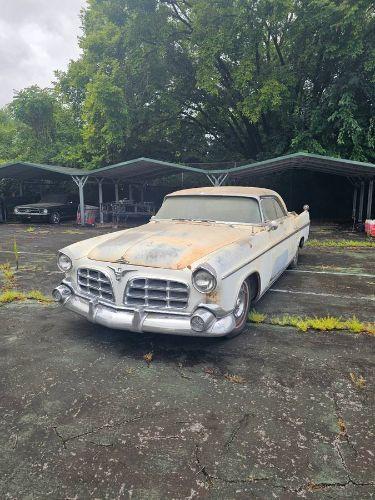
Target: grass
8 296
9 277
341 243
16 254
30 229
256 317
72 231
317 323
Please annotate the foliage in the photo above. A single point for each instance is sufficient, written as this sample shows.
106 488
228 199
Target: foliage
341 243
191 80
256 317
8 296
304 323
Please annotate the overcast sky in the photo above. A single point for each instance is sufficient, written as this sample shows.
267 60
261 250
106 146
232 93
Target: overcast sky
36 38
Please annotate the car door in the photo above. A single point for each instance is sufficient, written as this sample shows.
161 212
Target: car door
288 228
277 235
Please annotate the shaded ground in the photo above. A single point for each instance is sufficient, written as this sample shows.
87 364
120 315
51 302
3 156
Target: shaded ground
84 416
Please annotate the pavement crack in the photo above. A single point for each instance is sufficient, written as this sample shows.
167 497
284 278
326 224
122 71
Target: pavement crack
242 423
95 430
343 434
61 438
210 478
201 468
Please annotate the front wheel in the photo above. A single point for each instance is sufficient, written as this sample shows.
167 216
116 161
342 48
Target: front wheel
55 218
241 310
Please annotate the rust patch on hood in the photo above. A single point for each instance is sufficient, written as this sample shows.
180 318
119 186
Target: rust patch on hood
169 245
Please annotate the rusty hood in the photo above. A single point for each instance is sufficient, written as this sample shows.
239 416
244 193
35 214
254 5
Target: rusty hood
168 245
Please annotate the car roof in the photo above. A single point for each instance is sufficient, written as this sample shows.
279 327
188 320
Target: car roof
244 191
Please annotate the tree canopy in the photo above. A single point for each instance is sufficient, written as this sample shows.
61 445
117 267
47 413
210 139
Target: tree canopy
198 80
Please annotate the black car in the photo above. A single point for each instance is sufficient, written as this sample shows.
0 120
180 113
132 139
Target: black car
51 208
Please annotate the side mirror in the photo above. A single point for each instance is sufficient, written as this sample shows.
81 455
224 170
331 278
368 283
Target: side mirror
306 208
272 225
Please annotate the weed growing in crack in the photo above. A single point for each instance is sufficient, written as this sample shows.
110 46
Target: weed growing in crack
15 252
359 382
341 243
342 427
9 296
9 277
319 323
256 317
148 358
235 379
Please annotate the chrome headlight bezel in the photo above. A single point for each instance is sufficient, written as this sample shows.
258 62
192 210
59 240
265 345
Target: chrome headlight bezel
210 277
64 263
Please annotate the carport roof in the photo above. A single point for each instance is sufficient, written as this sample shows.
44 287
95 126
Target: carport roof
134 169
142 166
131 169
302 161
24 170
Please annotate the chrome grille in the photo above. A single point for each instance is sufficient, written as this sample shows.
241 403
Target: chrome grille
95 283
163 294
30 210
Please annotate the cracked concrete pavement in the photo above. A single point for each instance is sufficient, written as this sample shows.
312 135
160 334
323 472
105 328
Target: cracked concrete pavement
84 416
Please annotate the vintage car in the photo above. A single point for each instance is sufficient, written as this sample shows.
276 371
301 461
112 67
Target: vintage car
53 208
194 269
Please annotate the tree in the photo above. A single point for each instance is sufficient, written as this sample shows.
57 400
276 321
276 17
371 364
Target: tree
198 80
37 127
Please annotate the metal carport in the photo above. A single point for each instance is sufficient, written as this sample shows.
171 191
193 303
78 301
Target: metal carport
134 170
126 171
357 172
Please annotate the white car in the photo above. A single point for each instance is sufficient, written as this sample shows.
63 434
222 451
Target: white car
194 269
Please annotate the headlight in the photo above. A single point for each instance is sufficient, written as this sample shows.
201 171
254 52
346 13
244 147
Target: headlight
16 210
45 211
64 262
204 281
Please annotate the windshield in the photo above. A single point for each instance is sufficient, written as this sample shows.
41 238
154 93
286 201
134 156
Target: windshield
212 208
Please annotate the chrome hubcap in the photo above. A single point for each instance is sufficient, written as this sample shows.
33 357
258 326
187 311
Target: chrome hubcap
241 302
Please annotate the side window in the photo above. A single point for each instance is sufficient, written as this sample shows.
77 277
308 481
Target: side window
280 211
268 208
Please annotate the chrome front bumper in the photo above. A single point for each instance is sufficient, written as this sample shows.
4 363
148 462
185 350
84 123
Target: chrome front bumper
143 321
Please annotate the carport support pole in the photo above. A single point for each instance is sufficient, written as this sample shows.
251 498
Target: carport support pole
81 181
100 192
116 190
354 209
130 192
361 199
369 197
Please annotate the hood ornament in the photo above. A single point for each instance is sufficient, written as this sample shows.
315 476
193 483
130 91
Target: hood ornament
119 273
